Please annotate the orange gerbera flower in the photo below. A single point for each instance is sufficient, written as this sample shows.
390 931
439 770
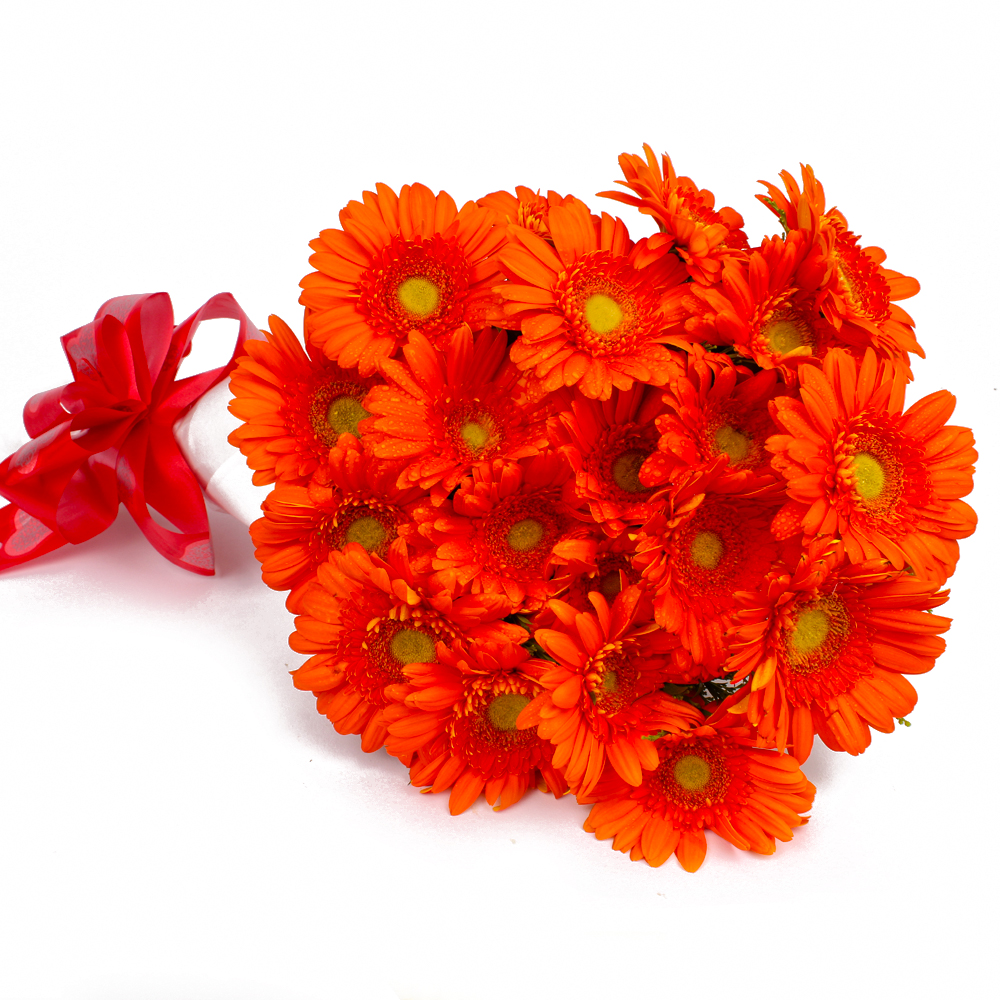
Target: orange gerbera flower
714 414
612 572
365 618
589 315
509 529
458 716
295 404
353 498
714 779
827 646
695 555
602 692
446 414
760 312
701 235
887 482
853 291
412 262
527 208
606 442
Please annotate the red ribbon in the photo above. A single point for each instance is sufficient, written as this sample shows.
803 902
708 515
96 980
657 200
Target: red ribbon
107 437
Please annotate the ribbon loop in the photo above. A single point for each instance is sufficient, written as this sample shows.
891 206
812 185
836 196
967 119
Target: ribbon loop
106 438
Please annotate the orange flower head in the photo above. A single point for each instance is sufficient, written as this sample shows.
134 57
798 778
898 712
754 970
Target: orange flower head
412 262
713 778
692 227
526 208
606 442
713 414
758 309
459 714
509 529
445 414
613 568
295 404
602 692
852 290
612 573
696 558
826 647
353 498
365 618
888 483
589 316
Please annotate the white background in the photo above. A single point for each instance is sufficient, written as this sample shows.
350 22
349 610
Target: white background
176 821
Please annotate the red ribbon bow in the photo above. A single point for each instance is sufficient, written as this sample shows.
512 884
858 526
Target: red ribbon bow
107 437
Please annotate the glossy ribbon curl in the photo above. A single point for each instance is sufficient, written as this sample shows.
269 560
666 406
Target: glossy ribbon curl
107 437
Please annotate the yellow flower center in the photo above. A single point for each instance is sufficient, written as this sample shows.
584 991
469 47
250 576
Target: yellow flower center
706 550
610 681
418 296
525 534
367 532
783 336
474 434
410 646
869 476
810 631
733 443
786 331
504 710
344 414
603 314
625 471
692 772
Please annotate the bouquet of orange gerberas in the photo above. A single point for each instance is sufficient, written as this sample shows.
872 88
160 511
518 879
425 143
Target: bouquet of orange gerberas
634 520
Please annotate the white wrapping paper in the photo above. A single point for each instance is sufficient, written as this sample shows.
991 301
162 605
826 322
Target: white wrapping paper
220 468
